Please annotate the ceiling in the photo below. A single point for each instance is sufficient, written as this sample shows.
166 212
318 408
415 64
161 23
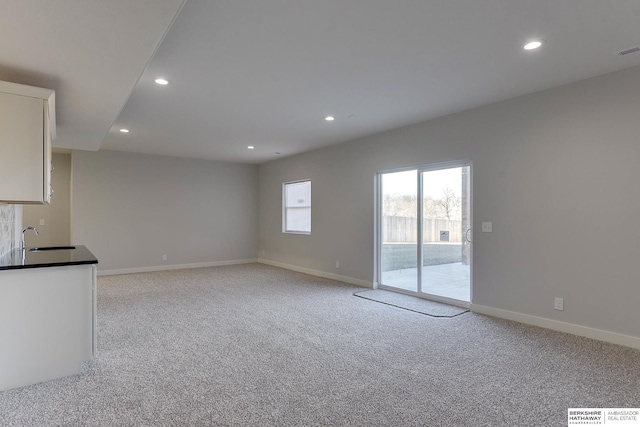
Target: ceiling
90 52
266 73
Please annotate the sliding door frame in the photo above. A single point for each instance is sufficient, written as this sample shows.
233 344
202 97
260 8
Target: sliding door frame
378 235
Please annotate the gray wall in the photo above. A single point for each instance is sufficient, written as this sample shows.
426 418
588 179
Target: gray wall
557 173
130 209
57 214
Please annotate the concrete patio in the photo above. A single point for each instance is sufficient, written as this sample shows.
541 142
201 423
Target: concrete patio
445 280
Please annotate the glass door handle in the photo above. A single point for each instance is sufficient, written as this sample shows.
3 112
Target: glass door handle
467 235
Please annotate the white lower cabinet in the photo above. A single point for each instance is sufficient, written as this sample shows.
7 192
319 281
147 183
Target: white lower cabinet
47 323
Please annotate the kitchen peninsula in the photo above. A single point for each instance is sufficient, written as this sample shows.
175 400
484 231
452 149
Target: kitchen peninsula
47 314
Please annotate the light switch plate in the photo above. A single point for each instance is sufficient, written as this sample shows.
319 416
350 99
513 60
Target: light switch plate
487 227
42 222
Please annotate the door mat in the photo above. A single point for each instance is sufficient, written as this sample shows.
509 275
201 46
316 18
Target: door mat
411 303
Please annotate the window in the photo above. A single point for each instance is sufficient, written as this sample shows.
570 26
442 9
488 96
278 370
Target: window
296 207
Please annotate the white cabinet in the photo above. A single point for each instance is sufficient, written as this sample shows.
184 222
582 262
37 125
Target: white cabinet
27 126
47 323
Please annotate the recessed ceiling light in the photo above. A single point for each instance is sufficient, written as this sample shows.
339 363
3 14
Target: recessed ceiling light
123 130
162 81
250 147
329 118
534 44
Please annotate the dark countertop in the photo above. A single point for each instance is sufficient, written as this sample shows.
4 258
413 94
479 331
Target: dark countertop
18 259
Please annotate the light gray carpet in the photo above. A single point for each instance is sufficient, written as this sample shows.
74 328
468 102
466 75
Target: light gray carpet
411 303
254 345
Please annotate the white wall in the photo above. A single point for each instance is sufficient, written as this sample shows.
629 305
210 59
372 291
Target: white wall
557 173
130 209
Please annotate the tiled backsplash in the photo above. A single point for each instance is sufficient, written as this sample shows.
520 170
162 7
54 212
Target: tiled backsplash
7 228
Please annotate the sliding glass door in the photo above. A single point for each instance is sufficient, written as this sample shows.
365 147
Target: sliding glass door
399 251
425 231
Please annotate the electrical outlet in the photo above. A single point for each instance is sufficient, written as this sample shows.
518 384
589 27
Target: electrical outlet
487 227
558 304
337 264
263 252
164 257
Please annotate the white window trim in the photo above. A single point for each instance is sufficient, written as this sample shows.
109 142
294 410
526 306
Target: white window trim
284 208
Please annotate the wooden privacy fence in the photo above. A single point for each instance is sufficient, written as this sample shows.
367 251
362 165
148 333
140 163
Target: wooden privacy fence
400 229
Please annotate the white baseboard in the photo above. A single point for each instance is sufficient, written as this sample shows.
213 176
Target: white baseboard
318 273
172 267
570 328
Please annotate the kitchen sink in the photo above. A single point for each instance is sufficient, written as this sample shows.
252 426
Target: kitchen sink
51 248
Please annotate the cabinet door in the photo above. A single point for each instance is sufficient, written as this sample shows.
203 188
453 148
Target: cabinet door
47 156
21 148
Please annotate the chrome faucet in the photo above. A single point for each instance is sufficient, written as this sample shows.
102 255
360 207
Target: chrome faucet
23 245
